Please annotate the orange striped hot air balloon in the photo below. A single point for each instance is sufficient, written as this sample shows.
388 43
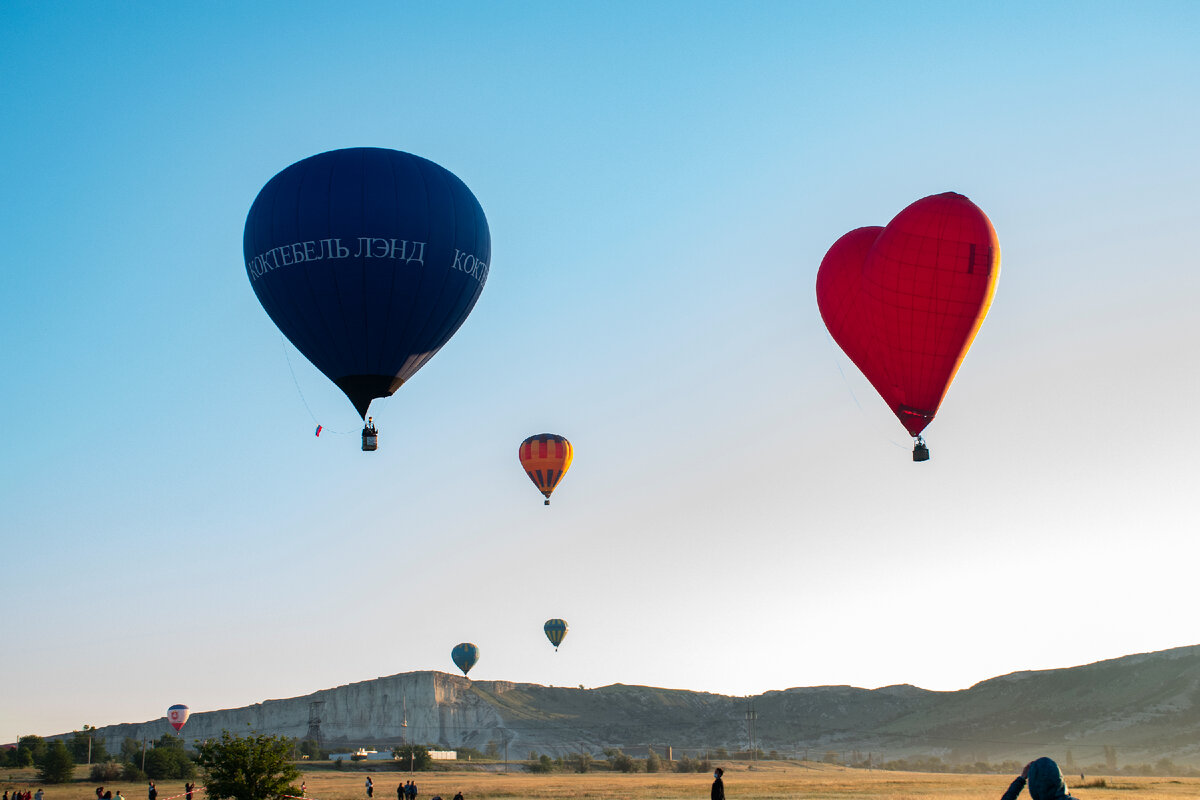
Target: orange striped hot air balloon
545 458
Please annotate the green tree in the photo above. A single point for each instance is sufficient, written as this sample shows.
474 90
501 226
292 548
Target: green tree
168 762
543 765
310 748
131 750
413 756
578 762
653 762
88 747
621 762
255 767
30 750
56 766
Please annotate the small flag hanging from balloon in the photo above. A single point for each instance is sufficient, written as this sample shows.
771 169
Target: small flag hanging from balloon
318 433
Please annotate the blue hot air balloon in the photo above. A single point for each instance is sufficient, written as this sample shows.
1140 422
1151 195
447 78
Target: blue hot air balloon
368 260
465 655
556 630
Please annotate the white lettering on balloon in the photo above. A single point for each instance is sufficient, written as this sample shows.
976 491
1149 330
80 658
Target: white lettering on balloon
371 247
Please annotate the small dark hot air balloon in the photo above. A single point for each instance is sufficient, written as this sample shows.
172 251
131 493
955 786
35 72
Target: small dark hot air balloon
464 656
545 458
368 260
905 301
556 630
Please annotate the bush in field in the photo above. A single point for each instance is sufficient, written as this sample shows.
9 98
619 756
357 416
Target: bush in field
621 762
107 772
578 762
413 756
544 765
653 762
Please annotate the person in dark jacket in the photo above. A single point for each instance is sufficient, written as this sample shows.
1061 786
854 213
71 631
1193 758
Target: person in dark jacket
1044 779
718 789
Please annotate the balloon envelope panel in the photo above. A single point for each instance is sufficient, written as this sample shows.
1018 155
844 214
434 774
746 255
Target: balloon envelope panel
368 260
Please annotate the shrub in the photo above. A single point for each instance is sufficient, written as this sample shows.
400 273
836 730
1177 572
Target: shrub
107 772
543 765
579 762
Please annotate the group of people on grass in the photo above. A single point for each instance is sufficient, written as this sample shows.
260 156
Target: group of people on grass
24 795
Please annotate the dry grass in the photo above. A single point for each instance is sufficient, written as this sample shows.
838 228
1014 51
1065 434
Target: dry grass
770 781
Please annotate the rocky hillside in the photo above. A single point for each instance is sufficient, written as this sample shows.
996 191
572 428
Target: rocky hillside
1147 706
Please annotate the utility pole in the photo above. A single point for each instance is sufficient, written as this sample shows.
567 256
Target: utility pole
143 755
751 717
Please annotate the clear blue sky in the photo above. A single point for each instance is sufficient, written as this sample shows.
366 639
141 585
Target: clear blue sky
661 181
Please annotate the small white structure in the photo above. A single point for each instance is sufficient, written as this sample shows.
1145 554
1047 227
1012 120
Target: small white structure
443 755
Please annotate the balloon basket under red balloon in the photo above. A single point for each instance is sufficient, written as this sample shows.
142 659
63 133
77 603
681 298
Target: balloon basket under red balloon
920 450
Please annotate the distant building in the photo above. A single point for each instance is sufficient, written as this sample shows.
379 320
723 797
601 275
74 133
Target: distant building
443 755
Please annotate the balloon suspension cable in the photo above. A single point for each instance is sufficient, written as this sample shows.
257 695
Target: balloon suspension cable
837 363
320 428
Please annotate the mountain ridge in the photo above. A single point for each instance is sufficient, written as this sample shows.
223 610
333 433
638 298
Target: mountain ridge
1146 705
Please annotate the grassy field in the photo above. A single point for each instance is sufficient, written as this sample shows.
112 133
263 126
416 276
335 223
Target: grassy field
768 781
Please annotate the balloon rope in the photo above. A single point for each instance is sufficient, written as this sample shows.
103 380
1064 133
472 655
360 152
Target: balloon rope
854 397
288 358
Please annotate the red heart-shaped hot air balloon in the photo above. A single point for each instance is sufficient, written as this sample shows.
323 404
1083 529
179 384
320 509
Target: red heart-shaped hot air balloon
905 301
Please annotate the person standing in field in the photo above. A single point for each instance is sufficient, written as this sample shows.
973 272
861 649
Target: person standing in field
718 787
1044 779
370 787
152 792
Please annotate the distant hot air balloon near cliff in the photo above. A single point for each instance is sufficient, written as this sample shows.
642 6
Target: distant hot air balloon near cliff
556 630
465 655
177 715
905 301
